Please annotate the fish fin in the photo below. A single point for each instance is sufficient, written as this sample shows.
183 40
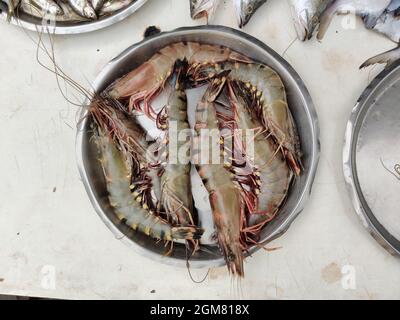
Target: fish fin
326 20
301 28
201 11
387 58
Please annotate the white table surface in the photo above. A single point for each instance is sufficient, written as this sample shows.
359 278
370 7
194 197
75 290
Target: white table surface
48 226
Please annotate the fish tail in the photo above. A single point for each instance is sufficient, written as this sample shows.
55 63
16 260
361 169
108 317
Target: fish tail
302 29
326 20
387 58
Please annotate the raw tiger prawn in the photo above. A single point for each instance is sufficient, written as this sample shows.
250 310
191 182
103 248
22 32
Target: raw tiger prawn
267 96
176 195
142 85
273 174
226 199
123 145
118 175
258 166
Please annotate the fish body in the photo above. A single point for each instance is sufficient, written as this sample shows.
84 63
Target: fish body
97 4
68 13
306 15
83 8
368 10
203 8
44 7
388 24
382 16
245 9
111 6
394 7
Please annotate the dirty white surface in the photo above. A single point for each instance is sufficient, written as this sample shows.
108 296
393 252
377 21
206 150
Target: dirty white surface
54 244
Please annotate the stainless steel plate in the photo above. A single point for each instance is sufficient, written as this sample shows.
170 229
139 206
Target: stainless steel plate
371 153
301 106
35 24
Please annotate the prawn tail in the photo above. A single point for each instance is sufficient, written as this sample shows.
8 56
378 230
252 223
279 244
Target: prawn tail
216 86
179 77
388 58
187 233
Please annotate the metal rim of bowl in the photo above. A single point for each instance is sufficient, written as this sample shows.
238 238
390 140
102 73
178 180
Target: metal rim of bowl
303 197
78 27
360 205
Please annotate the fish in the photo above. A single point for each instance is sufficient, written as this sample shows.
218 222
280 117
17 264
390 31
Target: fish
68 13
306 15
97 4
83 8
382 16
111 6
387 24
203 8
45 7
11 6
245 9
369 10
387 58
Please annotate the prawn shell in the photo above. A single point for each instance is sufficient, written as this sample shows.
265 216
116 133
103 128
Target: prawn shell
176 182
145 82
267 93
224 194
127 209
274 175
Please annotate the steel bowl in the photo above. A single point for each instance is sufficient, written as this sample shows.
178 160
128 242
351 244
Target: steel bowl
301 106
371 150
32 23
